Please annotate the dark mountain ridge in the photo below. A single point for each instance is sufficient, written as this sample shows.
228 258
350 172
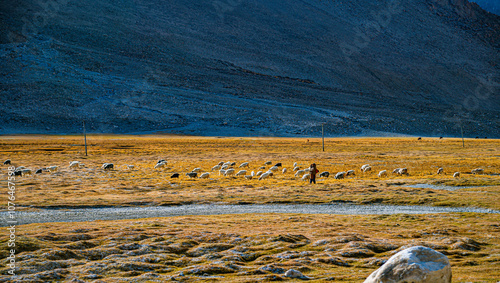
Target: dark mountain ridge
237 68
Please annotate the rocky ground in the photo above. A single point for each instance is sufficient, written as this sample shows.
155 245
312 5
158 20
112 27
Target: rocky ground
250 248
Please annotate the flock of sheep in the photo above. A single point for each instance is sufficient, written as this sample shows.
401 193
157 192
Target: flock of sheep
229 169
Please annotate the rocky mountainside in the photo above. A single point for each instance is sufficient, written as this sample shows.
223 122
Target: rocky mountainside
238 68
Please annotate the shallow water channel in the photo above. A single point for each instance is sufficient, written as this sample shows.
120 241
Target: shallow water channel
117 213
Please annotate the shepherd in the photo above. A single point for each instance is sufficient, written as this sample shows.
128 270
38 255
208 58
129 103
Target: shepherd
313 171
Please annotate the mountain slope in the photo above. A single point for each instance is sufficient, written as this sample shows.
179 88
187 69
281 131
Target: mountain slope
420 67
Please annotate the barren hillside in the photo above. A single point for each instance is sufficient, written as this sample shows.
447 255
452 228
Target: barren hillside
418 67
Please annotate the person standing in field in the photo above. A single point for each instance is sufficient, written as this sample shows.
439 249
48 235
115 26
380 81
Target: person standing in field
313 171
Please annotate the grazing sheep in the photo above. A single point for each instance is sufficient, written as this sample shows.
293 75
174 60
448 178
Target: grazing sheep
74 164
340 175
216 167
259 173
364 166
477 171
7 162
265 175
274 168
300 172
306 176
192 174
20 168
244 164
232 164
196 170
130 166
268 163
17 173
252 174
229 172
419 139
400 171
440 170
456 175
26 172
283 171
382 173
227 163
205 175
296 168
278 164
175 175
350 173
161 161
262 167
39 171
160 164
107 166
222 172
295 164
367 168
81 165
225 167
241 173
325 174
249 177
221 163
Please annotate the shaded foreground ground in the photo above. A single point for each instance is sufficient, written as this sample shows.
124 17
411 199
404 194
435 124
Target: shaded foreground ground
250 247
144 185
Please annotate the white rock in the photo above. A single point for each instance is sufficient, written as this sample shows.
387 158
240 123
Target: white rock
292 273
416 264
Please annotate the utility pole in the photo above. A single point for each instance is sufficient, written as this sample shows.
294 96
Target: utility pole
85 137
462 130
323 134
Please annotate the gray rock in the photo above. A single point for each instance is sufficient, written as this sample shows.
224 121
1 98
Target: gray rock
416 264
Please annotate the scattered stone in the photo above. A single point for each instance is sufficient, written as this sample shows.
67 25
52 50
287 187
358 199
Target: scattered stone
417 265
292 273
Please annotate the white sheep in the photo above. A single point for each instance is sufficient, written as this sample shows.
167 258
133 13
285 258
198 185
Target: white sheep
324 174
222 172
26 172
401 171
440 170
364 166
274 168
350 173
248 177
382 173
265 175
229 172
258 173
160 164
221 163
340 175
300 172
306 176
283 171
477 171
216 167
241 173
395 171
456 175
244 164
74 164
130 166
367 168
225 167
252 174
296 168
196 170
204 175
52 168
295 164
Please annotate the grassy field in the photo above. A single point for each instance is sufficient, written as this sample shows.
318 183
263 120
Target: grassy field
256 247
92 186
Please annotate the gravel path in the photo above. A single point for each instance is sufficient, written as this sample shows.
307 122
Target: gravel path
117 213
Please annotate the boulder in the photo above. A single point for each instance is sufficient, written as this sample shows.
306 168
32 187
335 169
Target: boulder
416 264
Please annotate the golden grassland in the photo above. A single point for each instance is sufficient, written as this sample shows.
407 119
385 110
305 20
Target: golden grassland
92 186
250 248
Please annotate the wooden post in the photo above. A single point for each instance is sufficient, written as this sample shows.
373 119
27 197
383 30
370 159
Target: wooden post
323 134
462 130
85 137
